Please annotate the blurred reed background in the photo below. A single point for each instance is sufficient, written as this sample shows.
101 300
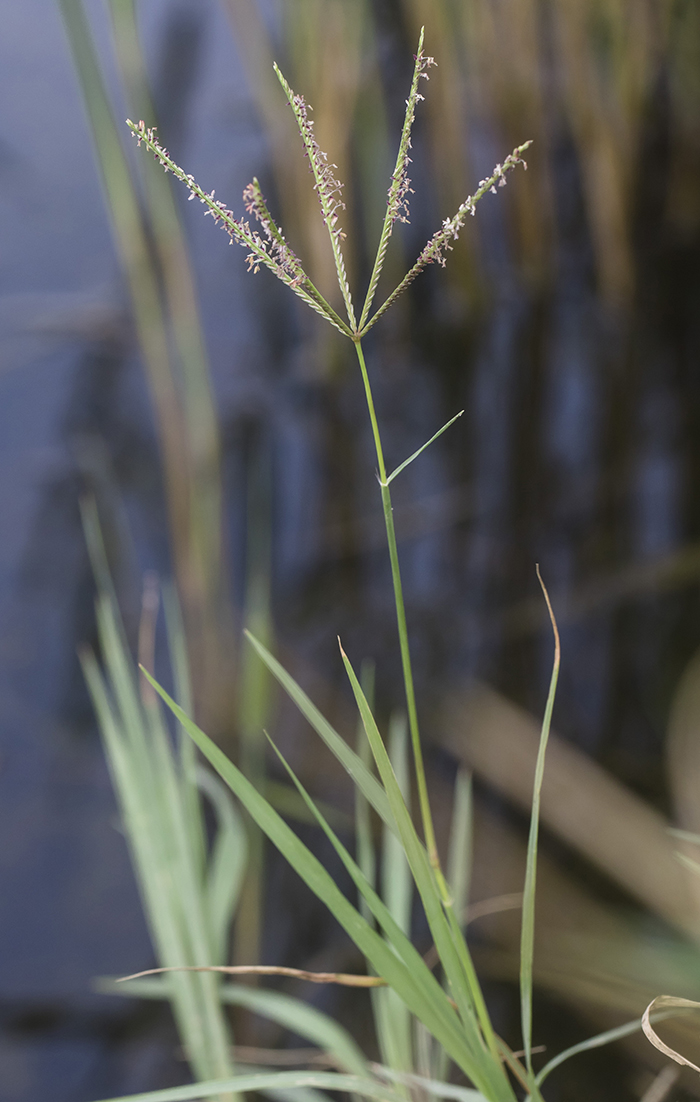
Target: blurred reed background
565 324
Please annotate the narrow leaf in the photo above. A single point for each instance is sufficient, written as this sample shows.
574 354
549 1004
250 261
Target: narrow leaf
271 1080
364 840
227 862
293 1014
384 961
527 939
487 1072
459 857
427 444
435 1011
434 1086
601 1039
350 761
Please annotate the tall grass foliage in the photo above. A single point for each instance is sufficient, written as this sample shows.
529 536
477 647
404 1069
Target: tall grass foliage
426 1022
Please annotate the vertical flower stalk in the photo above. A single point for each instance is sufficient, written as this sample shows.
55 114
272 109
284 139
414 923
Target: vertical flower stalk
268 248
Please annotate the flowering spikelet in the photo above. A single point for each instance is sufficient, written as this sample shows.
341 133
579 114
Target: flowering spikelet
279 249
270 248
270 251
400 186
327 186
440 243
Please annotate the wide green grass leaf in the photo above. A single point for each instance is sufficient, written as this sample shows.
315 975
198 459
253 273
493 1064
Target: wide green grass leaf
347 757
271 1080
485 1068
435 1010
382 958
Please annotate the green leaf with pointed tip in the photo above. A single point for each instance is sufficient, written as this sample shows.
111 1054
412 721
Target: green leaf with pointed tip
435 1013
527 937
402 466
347 757
600 1039
486 1071
382 958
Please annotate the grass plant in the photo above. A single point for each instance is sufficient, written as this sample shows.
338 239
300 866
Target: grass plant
151 246
422 1022
189 894
191 885
458 1020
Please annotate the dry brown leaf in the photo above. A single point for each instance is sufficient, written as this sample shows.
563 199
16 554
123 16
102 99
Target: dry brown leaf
669 1002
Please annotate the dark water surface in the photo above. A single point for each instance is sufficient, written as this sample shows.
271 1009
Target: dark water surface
579 450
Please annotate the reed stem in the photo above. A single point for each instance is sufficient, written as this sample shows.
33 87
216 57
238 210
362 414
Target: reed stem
426 815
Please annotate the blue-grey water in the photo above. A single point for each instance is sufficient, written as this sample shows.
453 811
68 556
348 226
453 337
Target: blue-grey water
578 450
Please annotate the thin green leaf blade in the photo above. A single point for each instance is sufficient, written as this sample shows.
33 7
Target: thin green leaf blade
383 959
436 1087
402 466
601 1039
460 855
485 1070
527 939
350 761
392 1018
435 1011
273 1080
227 863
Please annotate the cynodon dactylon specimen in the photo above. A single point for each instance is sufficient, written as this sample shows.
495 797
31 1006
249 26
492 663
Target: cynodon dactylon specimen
453 1017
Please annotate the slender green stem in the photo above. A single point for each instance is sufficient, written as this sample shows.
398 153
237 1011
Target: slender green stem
426 815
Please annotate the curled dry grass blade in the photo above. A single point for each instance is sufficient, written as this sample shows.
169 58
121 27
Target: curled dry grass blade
344 979
674 1003
602 1039
291 1013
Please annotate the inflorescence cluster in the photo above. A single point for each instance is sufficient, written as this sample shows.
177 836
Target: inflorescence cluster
270 248
400 187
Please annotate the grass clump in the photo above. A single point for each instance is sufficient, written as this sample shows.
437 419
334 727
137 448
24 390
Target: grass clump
424 1024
